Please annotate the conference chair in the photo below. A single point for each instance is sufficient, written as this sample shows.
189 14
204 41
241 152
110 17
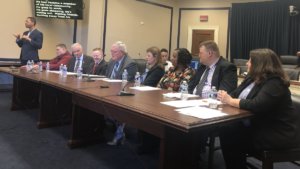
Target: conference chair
269 157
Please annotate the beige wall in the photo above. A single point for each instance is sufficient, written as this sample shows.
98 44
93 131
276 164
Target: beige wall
123 23
217 19
137 24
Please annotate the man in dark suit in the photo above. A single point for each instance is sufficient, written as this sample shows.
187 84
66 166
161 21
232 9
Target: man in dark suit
30 42
79 60
213 71
119 62
99 66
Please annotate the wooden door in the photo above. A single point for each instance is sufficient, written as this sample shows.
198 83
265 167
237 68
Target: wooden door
198 36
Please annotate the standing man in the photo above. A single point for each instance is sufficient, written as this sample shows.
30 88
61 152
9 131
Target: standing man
99 66
30 41
120 61
214 71
79 60
63 56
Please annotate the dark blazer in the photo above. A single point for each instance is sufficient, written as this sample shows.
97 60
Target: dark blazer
275 124
100 68
29 50
224 77
153 76
86 62
127 64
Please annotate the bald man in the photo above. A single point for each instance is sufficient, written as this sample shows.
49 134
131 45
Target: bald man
79 60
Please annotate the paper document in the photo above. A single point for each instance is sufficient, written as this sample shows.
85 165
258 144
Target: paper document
145 88
185 103
201 112
190 103
177 95
111 80
58 72
93 76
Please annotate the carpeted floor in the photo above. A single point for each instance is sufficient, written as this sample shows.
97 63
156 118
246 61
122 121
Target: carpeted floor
23 146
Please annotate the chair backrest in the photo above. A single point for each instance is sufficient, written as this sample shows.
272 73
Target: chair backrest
141 63
240 62
289 61
292 73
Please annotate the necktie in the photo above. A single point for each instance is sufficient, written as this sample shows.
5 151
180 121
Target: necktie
94 68
115 70
202 82
77 65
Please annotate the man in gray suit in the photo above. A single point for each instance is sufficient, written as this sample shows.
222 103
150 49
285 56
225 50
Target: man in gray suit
79 60
116 66
119 62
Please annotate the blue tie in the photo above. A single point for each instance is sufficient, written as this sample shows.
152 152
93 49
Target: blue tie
115 70
77 64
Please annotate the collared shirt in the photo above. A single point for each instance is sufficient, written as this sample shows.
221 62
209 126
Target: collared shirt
117 68
80 62
246 91
207 85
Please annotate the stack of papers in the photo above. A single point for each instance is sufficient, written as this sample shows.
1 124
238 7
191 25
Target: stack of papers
58 72
111 80
196 108
177 95
201 112
145 88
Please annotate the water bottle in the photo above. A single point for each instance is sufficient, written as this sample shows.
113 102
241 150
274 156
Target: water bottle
184 90
61 69
47 66
64 70
79 73
28 65
137 79
40 66
213 94
124 78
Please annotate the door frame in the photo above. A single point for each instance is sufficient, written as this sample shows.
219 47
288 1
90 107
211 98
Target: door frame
190 34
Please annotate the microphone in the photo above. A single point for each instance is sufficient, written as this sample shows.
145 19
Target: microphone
123 92
88 79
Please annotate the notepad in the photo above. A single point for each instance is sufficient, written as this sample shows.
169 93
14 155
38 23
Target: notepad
145 88
201 112
177 95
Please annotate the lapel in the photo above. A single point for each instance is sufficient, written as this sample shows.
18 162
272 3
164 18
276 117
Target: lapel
215 78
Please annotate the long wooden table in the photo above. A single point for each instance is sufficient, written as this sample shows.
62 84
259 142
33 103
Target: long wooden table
58 96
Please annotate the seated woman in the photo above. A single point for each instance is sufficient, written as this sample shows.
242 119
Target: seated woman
155 69
265 92
152 77
181 60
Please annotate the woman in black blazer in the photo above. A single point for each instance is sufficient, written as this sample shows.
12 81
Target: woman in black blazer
265 92
155 69
149 143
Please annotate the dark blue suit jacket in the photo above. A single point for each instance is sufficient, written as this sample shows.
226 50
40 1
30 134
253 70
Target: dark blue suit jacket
29 50
224 77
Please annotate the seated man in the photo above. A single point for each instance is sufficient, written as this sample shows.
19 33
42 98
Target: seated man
165 59
79 60
119 62
62 57
116 66
99 66
214 71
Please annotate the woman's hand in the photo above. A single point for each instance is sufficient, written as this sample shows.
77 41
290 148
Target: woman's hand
224 97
